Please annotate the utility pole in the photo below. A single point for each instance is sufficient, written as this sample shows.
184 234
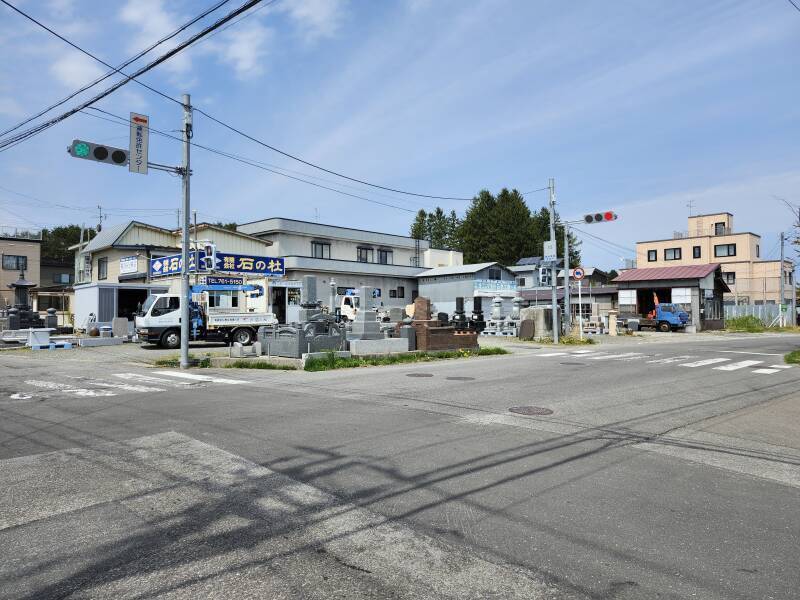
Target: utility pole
551 186
783 290
567 299
186 172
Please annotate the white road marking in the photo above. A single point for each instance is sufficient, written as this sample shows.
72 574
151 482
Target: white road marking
703 363
126 387
738 365
742 352
196 377
766 371
149 379
616 356
780 366
584 351
553 354
66 389
671 359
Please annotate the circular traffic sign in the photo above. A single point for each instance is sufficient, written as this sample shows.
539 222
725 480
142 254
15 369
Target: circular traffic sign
578 273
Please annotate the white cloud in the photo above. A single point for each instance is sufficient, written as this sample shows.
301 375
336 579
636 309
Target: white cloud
152 21
75 70
245 48
316 18
10 107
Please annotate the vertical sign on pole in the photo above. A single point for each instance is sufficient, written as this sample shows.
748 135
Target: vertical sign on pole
140 138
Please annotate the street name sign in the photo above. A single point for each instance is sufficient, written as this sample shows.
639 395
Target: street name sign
139 141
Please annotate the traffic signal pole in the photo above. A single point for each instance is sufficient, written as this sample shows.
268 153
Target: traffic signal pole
551 186
186 172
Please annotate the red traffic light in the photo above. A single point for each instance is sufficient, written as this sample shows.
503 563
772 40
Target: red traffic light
600 217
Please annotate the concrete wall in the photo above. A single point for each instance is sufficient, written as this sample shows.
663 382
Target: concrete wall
355 281
18 247
435 257
746 250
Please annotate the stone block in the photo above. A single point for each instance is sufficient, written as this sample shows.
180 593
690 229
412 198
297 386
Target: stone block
384 346
119 327
422 309
527 330
99 341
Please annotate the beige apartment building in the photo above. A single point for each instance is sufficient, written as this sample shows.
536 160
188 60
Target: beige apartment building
20 250
711 239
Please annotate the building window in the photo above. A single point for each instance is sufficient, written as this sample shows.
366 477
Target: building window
652 256
495 274
392 293
729 277
64 278
102 268
672 254
758 251
401 291
696 252
320 250
719 228
725 250
520 282
12 262
385 257
364 255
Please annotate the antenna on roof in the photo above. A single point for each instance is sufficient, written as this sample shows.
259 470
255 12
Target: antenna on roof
690 205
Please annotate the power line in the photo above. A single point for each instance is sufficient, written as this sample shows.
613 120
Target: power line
151 65
797 6
597 237
256 164
126 122
310 164
537 190
7 144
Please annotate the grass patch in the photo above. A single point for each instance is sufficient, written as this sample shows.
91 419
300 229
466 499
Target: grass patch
258 364
749 324
331 361
175 361
571 340
793 358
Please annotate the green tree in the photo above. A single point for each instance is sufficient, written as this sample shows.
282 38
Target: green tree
228 226
437 225
56 242
612 274
477 232
453 241
419 228
540 232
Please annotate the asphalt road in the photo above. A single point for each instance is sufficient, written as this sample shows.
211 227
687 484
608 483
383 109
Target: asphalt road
659 470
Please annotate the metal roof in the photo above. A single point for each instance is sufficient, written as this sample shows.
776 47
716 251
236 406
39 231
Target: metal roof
457 270
663 273
106 237
529 260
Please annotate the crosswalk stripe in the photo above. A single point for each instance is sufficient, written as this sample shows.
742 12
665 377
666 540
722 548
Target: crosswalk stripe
780 366
553 354
766 371
196 377
703 363
738 365
149 379
584 351
613 356
671 359
128 387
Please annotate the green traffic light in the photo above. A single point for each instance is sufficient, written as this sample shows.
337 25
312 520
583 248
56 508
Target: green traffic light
81 150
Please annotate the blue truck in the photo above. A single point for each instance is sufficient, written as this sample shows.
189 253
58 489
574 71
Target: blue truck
664 317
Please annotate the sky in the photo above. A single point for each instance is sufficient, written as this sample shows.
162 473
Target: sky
633 106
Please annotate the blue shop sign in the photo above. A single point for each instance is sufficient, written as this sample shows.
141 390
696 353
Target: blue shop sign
171 265
241 263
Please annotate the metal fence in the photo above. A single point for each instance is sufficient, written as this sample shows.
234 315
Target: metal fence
767 313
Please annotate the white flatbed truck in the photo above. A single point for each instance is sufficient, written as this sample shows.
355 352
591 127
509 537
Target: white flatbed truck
160 319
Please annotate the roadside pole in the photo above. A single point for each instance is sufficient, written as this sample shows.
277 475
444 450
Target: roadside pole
783 290
551 185
580 310
567 299
185 295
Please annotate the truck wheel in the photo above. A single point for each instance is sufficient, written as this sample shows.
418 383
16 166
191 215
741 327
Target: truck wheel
664 327
243 335
170 339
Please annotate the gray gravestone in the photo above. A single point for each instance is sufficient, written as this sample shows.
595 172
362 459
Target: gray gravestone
309 306
366 325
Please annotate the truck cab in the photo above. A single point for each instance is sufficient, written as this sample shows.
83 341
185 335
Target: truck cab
160 319
663 317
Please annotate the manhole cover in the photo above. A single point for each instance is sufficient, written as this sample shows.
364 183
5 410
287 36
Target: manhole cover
460 378
530 410
573 364
419 374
